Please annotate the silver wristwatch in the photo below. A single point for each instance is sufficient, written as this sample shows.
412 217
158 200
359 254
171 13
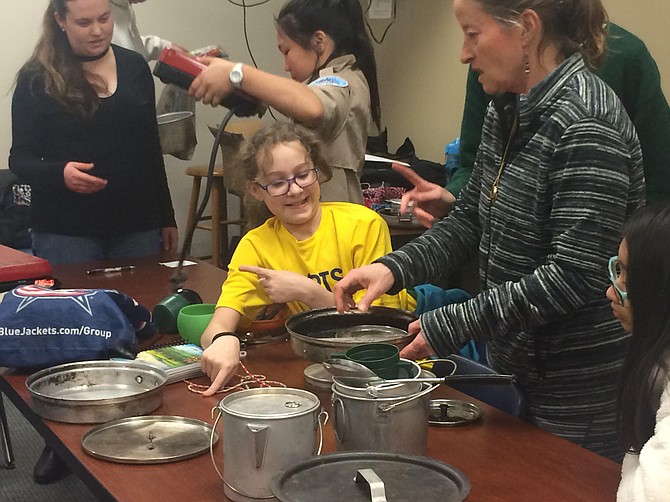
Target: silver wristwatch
236 76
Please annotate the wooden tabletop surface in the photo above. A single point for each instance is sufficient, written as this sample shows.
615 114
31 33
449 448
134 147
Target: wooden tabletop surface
504 458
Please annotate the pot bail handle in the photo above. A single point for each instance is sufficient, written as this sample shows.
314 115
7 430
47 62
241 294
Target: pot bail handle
388 407
339 420
323 420
373 482
215 410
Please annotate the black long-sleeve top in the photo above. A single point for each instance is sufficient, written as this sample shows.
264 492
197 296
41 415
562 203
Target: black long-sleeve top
121 139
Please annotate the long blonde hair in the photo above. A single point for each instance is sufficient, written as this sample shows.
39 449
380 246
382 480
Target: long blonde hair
60 72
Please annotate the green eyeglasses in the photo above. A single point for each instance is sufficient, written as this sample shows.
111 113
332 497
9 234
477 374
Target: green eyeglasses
615 273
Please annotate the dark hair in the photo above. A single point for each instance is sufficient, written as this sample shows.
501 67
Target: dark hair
255 153
62 74
573 25
647 237
343 22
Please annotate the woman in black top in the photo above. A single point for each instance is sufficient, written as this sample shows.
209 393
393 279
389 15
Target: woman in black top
85 137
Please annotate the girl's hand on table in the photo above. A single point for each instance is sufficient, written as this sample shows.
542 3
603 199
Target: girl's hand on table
220 361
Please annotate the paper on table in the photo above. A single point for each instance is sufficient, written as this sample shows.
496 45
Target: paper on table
175 264
374 158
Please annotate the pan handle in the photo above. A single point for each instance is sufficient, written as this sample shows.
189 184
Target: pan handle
483 378
373 387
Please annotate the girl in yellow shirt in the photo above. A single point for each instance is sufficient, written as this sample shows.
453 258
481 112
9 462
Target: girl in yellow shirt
296 256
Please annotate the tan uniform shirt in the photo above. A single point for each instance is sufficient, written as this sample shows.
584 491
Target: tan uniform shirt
345 95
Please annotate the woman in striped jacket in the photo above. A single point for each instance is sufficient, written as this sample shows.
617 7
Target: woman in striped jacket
558 171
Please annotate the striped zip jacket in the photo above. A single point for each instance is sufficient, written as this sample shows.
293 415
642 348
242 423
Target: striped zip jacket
571 177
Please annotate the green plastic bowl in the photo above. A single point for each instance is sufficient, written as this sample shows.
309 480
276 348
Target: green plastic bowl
193 319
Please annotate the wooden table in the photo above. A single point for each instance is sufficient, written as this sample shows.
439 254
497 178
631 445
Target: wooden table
504 458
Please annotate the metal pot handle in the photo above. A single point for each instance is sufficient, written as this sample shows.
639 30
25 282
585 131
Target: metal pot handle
337 418
259 438
374 484
388 407
216 410
322 416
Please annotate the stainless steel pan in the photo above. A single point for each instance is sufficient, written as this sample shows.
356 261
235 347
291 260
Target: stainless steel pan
316 334
96 391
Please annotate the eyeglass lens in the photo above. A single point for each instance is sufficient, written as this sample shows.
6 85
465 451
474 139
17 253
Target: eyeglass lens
282 187
615 273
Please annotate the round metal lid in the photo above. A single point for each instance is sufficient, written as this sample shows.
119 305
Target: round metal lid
372 333
149 439
451 412
269 402
333 477
318 376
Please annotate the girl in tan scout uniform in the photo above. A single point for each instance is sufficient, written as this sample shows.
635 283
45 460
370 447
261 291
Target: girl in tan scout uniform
332 89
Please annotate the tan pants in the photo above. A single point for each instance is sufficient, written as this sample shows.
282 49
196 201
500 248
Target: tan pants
344 186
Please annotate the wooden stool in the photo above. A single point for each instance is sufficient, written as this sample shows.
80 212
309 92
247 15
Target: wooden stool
218 222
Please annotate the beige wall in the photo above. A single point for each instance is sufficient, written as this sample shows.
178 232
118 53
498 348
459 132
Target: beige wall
421 80
190 24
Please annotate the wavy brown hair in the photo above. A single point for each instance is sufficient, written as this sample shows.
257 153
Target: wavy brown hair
572 25
255 153
55 66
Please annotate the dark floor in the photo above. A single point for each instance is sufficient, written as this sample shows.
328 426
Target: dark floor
17 485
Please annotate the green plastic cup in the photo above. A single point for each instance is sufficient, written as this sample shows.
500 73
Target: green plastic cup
193 320
166 311
382 358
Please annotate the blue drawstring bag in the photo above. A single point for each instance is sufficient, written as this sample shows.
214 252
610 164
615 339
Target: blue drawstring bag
40 327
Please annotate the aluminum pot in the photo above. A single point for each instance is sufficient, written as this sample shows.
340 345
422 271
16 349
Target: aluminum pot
316 334
266 430
94 392
395 424
176 131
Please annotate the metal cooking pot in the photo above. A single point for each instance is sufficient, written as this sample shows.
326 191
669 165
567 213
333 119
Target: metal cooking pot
266 430
397 423
176 131
316 334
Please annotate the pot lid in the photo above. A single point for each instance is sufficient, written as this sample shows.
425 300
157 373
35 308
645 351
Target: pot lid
269 402
370 333
318 376
149 439
337 477
451 412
